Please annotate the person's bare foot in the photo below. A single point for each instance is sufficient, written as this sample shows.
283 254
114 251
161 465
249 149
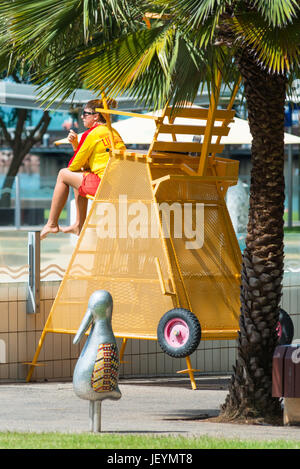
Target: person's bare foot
48 229
72 229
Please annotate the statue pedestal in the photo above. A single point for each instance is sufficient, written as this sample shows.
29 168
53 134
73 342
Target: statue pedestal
95 416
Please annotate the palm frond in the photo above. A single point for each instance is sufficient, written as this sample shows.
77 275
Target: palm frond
81 64
153 66
278 13
130 62
37 24
30 20
197 12
277 49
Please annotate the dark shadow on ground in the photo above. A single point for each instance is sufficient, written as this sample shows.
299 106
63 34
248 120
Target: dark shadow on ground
202 383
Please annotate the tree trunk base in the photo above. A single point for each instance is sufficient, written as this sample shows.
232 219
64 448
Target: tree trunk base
226 417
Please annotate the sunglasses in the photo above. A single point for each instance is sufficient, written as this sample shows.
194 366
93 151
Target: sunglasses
87 113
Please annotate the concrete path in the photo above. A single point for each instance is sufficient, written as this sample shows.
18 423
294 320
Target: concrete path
157 406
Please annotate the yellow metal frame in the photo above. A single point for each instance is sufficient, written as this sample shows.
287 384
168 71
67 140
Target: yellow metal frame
163 169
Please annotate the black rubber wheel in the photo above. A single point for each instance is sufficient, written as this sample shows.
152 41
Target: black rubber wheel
285 328
179 333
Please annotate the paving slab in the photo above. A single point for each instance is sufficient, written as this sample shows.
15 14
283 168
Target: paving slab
156 406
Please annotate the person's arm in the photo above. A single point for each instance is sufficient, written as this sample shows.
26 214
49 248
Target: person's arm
73 139
83 153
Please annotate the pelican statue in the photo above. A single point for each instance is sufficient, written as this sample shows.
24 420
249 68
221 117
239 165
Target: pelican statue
96 372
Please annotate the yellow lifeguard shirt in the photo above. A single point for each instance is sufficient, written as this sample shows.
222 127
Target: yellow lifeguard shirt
92 153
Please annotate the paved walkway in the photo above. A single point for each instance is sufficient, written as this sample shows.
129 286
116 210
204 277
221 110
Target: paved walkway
157 406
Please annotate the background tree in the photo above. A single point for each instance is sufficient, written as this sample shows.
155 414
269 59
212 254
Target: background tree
256 39
20 142
23 56
14 69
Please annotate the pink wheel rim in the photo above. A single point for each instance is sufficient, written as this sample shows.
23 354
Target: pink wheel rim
176 332
279 329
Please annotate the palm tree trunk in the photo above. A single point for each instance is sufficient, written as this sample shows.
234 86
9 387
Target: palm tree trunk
250 393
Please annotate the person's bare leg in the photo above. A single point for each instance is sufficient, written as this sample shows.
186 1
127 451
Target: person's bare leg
65 179
81 209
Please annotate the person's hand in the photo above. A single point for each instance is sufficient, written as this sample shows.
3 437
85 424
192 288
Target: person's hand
73 139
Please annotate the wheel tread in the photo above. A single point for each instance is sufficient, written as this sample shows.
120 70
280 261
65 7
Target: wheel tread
194 338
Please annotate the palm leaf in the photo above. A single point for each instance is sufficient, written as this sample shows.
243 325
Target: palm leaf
277 49
44 20
121 65
82 64
37 24
278 13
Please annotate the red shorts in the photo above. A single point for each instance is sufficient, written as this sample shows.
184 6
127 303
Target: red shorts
89 184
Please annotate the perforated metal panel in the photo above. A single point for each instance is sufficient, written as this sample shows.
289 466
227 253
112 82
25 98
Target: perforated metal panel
205 279
210 273
125 266
125 246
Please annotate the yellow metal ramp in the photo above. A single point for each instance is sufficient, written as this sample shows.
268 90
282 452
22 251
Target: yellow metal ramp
127 247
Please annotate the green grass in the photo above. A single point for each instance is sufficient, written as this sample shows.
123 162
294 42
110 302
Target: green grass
63 215
295 216
11 440
293 229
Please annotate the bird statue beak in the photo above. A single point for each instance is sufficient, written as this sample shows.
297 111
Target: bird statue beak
85 324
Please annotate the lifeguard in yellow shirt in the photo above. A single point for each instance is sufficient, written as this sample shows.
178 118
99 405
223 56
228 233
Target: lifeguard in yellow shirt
85 169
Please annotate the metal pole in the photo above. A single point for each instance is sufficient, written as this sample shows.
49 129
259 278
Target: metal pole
298 182
95 416
34 262
17 203
290 185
